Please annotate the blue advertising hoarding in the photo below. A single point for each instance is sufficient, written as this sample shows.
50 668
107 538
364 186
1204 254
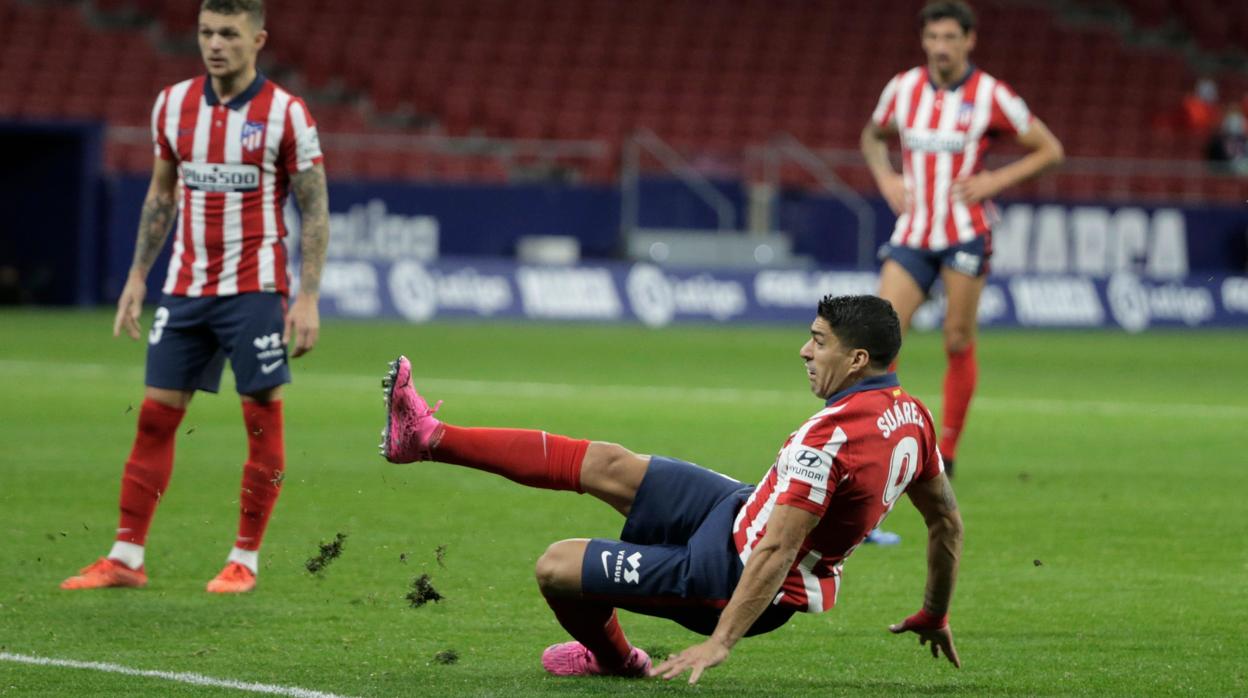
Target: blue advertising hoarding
394 221
643 293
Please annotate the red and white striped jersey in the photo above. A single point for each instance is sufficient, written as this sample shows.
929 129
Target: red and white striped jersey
234 162
847 464
945 134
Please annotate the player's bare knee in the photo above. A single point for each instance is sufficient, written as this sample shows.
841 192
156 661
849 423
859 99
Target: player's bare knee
958 338
178 399
264 397
608 462
558 569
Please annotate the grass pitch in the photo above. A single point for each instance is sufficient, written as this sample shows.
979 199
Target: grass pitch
1102 481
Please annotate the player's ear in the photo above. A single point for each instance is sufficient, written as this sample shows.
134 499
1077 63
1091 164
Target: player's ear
262 37
859 359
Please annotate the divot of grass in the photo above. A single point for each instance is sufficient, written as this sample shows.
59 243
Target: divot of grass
422 592
328 553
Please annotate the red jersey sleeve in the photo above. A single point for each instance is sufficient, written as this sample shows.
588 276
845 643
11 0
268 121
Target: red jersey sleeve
886 109
1010 114
160 141
808 472
301 146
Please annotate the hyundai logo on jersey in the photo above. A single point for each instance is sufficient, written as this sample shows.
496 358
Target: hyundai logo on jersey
809 459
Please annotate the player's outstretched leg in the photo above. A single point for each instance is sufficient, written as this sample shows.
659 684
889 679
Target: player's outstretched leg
411 430
530 457
600 646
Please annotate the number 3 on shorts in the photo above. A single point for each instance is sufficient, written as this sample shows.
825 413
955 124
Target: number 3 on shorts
158 325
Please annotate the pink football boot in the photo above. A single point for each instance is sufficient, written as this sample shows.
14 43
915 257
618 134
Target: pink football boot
411 431
573 659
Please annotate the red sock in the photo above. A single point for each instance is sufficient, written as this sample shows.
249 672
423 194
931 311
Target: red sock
526 456
147 472
960 379
263 471
595 626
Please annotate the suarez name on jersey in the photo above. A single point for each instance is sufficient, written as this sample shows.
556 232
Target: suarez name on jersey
847 464
945 134
235 162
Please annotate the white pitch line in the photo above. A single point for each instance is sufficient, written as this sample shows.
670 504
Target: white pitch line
178 676
691 394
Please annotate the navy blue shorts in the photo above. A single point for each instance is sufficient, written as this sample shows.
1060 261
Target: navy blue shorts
191 338
675 558
970 258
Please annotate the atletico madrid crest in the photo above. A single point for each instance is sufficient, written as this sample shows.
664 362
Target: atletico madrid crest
965 112
253 135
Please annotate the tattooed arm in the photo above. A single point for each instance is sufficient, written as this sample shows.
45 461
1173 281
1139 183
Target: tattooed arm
159 207
935 501
303 322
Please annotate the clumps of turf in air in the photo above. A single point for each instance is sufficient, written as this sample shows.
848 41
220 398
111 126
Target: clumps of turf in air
440 553
422 592
328 553
446 657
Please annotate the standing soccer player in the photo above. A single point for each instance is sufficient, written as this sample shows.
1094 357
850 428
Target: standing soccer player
948 113
230 145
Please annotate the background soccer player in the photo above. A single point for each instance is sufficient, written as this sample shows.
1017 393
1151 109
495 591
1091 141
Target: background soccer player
947 114
717 556
231 144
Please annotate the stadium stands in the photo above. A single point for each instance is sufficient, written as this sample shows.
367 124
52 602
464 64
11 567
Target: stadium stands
705 75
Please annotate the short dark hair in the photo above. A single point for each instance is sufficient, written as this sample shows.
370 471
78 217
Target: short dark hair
864 322
253 8
956 10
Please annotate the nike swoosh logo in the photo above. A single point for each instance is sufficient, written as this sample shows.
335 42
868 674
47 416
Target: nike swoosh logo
606 555
269 368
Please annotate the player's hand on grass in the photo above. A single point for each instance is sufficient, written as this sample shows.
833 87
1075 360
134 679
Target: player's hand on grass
936 634
893 189
975 188
129 305
699 658
303 325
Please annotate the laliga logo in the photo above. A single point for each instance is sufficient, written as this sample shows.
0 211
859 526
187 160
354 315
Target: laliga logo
656 298
1128 301
413 291
650 294
1135 305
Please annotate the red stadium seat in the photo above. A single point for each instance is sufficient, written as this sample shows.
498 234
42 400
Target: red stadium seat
717 76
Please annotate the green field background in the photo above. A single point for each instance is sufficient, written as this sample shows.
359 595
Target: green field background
1102 479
